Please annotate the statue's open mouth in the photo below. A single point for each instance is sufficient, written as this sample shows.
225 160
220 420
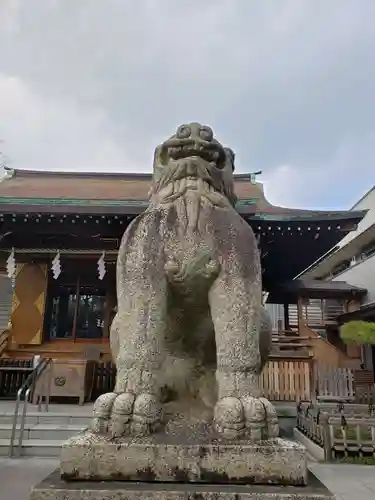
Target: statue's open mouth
183 149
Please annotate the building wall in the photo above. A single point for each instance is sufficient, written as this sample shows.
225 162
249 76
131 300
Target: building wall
276 312
6 294
365 203
361 275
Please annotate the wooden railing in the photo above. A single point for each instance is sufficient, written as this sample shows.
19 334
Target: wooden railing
289 344
326 354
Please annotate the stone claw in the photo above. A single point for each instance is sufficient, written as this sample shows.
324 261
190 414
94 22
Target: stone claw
126 414
247 416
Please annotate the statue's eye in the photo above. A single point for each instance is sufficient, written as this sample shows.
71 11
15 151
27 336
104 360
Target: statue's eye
183 132
206 133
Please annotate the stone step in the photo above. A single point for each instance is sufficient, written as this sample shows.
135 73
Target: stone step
34 418
34 448
42 431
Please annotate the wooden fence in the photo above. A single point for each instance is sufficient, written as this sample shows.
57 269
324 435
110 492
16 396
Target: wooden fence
104 379
13 373
280 380
355 436
345 432
287 380
347 409
335 384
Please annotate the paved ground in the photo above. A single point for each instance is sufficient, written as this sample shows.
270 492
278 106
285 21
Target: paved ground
348 482
18 476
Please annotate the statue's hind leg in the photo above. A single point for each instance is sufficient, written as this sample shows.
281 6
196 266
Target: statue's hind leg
240 410
134 406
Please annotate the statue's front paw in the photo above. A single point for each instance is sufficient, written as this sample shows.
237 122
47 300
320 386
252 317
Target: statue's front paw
126 414
254 418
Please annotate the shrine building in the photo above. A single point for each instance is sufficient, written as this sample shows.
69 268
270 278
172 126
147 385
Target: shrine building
59 237
74 219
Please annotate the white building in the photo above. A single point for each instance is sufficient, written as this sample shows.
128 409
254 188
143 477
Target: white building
353 261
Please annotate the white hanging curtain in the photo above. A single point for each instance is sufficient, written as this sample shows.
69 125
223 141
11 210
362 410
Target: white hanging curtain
56 266
101 266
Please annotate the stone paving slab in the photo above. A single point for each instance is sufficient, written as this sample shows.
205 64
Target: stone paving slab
347 482
19 476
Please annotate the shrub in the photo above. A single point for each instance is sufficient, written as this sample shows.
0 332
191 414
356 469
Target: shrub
358 332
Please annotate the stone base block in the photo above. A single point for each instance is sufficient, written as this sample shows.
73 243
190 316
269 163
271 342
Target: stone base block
54 488
184 458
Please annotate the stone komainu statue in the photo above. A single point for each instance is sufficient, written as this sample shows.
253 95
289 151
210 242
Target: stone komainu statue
189 301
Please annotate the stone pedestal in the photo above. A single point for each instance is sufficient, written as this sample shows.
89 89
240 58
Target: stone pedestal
185 461
191 455
54 488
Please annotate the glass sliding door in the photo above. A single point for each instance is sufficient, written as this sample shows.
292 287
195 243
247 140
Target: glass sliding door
75 312
90 316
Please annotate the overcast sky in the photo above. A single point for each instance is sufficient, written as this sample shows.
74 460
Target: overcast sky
94 85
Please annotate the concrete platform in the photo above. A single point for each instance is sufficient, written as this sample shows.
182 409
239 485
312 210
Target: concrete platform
192 454
54 488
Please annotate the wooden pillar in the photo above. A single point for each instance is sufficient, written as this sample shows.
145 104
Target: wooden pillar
28 304
286 317
300 313
76 305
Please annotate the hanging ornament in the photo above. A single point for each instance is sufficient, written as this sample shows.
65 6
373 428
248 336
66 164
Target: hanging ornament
11 265
101 266
56 266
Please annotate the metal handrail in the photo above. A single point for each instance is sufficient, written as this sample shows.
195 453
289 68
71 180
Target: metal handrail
26 389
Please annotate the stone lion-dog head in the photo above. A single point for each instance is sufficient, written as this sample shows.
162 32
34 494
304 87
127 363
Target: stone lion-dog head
193 158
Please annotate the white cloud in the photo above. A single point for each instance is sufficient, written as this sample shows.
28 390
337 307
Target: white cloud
317 186
288 84
56 135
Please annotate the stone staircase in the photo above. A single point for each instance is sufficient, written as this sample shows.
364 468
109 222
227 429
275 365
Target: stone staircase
44 432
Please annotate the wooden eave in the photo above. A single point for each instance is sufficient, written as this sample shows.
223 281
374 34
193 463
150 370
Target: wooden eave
364 313
291 291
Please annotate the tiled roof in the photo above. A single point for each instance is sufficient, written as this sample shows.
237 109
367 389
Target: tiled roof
57 189
26 184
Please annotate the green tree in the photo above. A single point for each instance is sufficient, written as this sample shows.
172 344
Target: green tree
358 332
